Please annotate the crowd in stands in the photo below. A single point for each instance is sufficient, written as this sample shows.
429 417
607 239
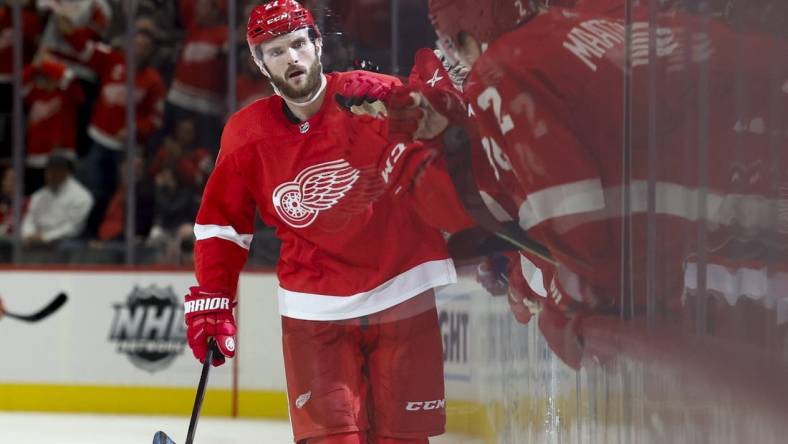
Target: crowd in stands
75 98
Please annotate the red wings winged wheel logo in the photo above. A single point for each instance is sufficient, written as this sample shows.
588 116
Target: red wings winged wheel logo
315 189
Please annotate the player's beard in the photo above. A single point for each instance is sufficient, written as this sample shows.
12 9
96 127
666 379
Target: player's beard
304 91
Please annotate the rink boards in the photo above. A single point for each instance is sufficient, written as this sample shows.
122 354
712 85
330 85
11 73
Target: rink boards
118 346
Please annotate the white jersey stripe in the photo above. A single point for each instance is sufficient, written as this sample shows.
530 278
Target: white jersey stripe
562 200
321 307
587 198
202 232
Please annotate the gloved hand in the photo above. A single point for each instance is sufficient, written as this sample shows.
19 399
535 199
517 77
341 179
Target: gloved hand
493 274
427 105
363 87
209 314
403 164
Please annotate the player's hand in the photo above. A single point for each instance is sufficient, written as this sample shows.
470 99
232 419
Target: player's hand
2 309
361 87
424 108
209 314
492 274
403 164
413 117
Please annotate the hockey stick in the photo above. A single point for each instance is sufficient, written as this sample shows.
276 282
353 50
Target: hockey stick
161 437
52 307
499 236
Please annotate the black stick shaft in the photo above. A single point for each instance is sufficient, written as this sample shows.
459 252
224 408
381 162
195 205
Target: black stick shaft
198 399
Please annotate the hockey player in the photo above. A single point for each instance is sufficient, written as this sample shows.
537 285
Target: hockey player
546 94
362 346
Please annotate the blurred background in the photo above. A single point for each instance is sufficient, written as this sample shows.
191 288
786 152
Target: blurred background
702 361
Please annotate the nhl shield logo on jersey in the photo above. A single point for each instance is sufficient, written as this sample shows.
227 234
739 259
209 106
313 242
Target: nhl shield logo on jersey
315 189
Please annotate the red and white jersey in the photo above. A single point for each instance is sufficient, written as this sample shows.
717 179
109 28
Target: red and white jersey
91 20
109 113
344 254
201 74
51 113
551 122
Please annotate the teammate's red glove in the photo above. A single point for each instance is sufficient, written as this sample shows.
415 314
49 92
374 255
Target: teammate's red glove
427 105
363 87
209 314
401 168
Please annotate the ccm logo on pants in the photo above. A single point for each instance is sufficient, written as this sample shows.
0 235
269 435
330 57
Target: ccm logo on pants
415 406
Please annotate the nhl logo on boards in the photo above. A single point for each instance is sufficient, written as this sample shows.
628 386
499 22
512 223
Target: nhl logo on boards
149 327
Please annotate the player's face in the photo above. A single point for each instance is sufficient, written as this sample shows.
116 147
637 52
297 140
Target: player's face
293 63
469 50
464 50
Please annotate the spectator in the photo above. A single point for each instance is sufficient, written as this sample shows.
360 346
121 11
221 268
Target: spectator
59 210
113 222
174 205
7 178
198 90
250 84
174 212
108 123
32 26
192 164
52 99
165 56
109 227
88 19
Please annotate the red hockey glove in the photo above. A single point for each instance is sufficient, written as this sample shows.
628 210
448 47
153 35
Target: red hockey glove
402 166
209 314
363 87
427 105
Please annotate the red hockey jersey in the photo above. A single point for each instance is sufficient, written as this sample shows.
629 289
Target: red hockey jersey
344 254
201 74
51 112
109 113
552 122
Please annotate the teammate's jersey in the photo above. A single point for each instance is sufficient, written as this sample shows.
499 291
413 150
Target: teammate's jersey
345 252
551 117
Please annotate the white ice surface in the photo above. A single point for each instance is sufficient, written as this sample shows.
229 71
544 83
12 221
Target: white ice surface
39 428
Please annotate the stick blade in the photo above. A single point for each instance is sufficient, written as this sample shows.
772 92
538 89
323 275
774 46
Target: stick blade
53 306
162 438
